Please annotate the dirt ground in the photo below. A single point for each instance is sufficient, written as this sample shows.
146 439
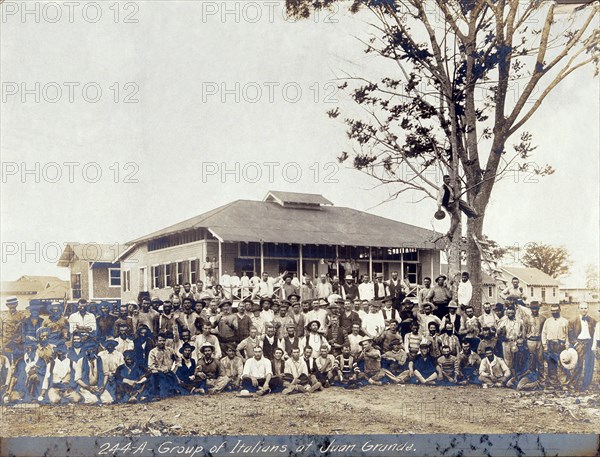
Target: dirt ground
369 410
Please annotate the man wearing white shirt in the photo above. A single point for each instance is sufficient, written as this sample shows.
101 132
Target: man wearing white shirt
82 320
373 324
581 331
257 373
366 290
266 286
318 313
514 291
245 284
235 283
465 290
324 289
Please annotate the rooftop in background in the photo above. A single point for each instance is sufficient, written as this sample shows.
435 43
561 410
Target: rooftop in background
91 252
282 217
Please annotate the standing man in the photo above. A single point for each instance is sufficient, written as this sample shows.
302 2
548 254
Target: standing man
349 288
533 335
440 295
555 334
82 320
424 292
324 289
514 291
581 331
465 290
396 290
366 291
509 330
380 288
288 288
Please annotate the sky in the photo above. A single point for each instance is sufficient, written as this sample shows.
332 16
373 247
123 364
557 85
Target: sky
120 120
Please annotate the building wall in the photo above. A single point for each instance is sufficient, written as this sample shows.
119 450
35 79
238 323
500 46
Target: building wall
101 284
537 294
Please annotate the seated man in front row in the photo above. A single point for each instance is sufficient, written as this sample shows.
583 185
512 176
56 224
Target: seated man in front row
446 368
296 377
493 371
423 368
373 372
257 373
467 365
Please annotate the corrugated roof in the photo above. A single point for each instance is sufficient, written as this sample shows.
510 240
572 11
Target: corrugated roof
297 198
247 220
531 276
92 252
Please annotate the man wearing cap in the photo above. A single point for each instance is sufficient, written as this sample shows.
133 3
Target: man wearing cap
366 290
440 295
493 371
581 332
89 378
335 333
59 379
257 373
298 317
269 342
287 288
82 320
349 288
232 367
313 338
423 369
533 334
290 341
11 322
509 330
282 320
28 374
467 365
380 288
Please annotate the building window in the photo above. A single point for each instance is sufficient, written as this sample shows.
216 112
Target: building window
126 280
543 294
76 285
554 291
181 274
168 271
156 277
531 291
143 279
490 291
114 277
193 271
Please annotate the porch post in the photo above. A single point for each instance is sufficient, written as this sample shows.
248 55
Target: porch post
300 272
402 263
337 260
220 263
432 255
370 263
262 259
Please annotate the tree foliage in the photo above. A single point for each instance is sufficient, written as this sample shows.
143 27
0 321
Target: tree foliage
553 261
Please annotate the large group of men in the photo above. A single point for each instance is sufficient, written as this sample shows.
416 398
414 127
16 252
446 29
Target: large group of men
278 339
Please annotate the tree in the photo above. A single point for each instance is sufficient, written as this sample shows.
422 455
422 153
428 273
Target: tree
592 277
553 261
465 77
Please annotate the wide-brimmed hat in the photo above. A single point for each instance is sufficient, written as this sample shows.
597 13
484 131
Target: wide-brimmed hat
365 339
439 215
205 345
290 296
440 276
244 394
12 301
265 299
110 342
256 307
188 345
333 298
568 358
311 322
349 277
452 304
224 302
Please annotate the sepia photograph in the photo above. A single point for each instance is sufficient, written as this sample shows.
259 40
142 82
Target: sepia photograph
300 227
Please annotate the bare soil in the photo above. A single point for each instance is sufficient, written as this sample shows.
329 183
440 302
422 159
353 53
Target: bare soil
369 410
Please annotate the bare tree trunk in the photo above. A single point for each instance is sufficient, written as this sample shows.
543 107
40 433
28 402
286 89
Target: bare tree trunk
475 227
453 251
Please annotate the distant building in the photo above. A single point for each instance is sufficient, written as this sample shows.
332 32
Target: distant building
286 231
536 284
28 288
94 273
578 295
